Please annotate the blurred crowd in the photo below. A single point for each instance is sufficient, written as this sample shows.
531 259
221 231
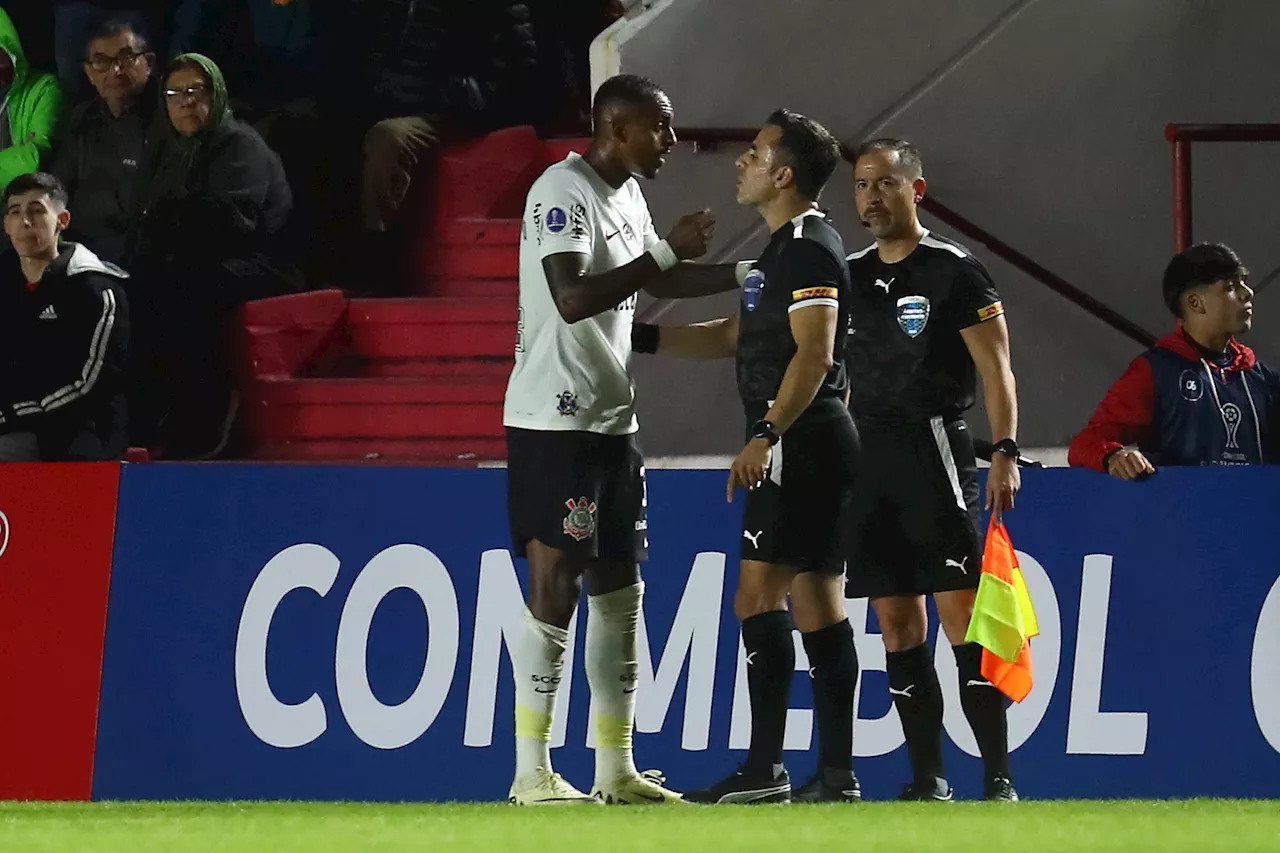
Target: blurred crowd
215 151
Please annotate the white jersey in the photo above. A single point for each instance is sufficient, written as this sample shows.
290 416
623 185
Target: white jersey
576 377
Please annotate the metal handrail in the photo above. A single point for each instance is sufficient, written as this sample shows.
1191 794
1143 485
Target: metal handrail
1182 135
709 138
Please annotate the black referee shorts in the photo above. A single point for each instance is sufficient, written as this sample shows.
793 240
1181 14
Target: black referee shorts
794 517
915 521
579 492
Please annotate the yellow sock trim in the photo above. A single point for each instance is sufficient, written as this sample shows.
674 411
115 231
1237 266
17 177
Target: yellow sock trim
532 723
612 732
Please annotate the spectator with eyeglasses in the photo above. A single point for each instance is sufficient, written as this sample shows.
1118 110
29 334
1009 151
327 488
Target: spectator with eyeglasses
30 106
100 155
76 22
214 208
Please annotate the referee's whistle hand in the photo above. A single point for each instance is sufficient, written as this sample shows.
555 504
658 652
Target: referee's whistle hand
692 235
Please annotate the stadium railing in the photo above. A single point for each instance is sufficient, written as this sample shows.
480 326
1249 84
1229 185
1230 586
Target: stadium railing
1181 136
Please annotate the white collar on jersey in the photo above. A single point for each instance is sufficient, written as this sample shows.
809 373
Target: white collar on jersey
798 221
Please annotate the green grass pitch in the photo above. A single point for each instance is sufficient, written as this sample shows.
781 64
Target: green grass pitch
1029 827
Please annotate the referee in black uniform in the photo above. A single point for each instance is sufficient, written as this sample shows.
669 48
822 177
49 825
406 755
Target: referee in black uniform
788 336
924 313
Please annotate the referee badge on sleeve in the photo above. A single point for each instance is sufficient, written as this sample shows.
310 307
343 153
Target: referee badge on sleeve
995 309
752 288
913 314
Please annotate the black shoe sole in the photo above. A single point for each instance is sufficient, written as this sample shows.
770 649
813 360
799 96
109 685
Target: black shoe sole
775 794
826 797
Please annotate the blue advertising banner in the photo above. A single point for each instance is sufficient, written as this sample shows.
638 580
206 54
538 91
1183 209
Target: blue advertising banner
300 632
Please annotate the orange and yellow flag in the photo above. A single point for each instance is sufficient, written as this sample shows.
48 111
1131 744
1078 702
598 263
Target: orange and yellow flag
1004 620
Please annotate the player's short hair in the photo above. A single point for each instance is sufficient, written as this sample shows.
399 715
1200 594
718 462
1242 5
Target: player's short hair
1199 266
908 155
43 181
812 152
112 27
629 89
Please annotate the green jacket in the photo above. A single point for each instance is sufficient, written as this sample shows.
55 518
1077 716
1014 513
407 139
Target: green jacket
35 105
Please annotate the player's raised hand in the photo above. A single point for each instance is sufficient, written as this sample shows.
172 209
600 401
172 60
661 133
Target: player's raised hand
692 235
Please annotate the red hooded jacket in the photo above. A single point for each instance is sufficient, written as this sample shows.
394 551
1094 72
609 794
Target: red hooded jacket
1183 406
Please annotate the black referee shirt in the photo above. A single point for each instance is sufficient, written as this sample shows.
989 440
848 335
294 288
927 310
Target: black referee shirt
905 357
802 266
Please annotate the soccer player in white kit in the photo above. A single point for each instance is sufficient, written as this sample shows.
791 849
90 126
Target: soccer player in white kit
575 475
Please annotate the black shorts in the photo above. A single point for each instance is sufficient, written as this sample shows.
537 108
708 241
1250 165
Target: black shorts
580 492
794 518
915 522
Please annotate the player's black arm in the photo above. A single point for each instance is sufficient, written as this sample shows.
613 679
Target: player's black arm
712 339
687 279
579 295
988 344
814 330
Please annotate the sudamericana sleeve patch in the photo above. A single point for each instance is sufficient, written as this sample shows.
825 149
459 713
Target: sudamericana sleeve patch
814 293
995 309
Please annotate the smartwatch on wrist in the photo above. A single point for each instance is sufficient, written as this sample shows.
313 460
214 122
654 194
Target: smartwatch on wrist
1007 446
766 430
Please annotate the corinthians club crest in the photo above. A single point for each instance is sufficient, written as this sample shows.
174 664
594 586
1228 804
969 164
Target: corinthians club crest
580 523
913 314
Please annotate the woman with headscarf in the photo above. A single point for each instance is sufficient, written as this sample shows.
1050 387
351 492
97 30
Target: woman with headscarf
216 203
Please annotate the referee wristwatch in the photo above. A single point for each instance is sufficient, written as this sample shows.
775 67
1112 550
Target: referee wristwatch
1007 446
766 430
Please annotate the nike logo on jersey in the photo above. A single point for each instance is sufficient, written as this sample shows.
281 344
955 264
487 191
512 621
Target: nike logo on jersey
952 564
904 692
611 236
885 284
755 539
973 682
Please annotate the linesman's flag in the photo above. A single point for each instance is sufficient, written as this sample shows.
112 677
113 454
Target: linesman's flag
1003 619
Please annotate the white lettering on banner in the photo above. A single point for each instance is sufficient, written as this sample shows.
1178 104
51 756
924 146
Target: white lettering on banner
1265 669
500 620
414 568
799 728
1091 731
695 636
883 735
275 723
1046 652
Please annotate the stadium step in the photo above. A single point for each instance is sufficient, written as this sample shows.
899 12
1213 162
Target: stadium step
402 329
418 379
432 451
477 369
468 288
458 388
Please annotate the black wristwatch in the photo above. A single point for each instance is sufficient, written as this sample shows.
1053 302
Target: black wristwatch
766 430
1007 446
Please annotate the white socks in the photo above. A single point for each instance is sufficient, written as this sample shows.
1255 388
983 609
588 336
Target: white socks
537 663
612 670
612 667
